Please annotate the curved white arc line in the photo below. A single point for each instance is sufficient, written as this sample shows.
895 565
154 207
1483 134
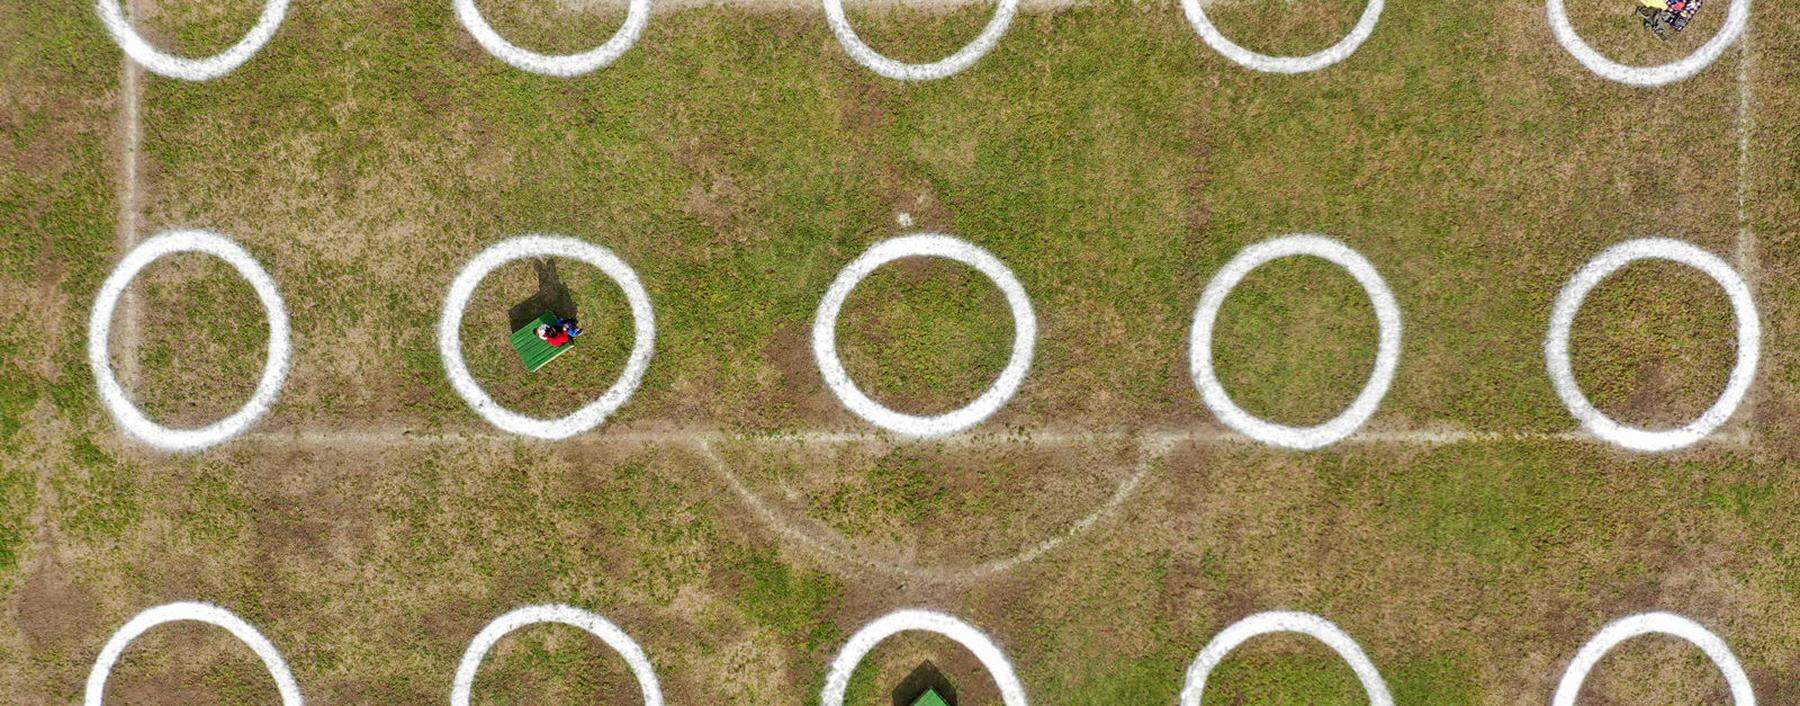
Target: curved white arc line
1387 353
1365 26
593 624
637 16
113 395
1562 320
1569 687
837 680
1194 687
197 612
462 289
965 57
1737 18
112 15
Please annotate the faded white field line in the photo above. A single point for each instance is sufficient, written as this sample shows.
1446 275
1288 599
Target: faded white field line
1746 237
130 135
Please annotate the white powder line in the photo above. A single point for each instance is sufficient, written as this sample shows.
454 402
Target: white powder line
1746 237
195 612
837 680
595 625
1569 687
1194 686
130 133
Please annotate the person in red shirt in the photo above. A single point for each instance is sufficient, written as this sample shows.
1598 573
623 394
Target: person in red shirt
553 335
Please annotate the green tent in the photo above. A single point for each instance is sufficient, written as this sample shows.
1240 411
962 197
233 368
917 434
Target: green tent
929 698
536 352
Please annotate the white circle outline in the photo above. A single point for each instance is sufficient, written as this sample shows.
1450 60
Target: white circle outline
824 334
1569 687
95 693
643 320
551 613
637 15
837 680
112 14
902 71
1387 352
112 394
1248 59
1284 621
1568 303
1737 18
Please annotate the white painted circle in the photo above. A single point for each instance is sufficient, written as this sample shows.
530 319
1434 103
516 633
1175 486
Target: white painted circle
1737 17
643 321
1284 621
1365 26
824 334
901 71
837 680
1644 624
112 14
197 612
566 615
1387 352
113 396
1562 318
637 14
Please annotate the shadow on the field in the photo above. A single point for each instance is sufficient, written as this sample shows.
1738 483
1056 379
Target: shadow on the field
925 678
552 296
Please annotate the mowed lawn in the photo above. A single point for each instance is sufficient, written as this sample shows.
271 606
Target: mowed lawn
737 159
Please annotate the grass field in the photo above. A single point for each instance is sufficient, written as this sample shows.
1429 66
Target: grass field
733 517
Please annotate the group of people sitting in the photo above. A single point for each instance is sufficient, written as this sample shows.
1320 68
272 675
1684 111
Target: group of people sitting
560 333
1662 16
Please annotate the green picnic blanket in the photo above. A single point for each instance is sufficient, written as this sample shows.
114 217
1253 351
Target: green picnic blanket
536 352
929 698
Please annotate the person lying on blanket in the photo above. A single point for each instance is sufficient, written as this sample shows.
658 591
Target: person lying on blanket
1665 17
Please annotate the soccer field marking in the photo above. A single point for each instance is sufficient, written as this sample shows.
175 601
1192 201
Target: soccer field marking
1737 17
197 612
965 57
837 379
1569 687
1568 303
462 289
1194 686
113 395
1387 353
130 139
1365 26
837 679
112 15
592 623
637 15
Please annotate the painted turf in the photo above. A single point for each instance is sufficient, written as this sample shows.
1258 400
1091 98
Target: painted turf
1654 624
643 320
1284 621
965 57
95 694
566 615
1568 303
1737 18
112 14
637 15
1365 26
1012 693
1387 353
113 395
831 367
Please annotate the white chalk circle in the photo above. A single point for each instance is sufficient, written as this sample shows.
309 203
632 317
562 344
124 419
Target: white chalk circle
112 14
566 615
901 71
197 612
1365 26
1737 17
643 321
1284 621
1562 318
637 14
113 396
837 680
1653 623
1387 352
824 334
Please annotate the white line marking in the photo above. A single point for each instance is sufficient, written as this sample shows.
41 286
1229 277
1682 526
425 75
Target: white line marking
1745 244
1644 624
1737 17
901 71
566 615
1365 26
198 612
1387 353
114 397
637 15
824 335
131 135
837 680
113 16
463 288
1562 318
1284 621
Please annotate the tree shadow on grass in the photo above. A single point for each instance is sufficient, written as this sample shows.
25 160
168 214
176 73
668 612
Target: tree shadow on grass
552 296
